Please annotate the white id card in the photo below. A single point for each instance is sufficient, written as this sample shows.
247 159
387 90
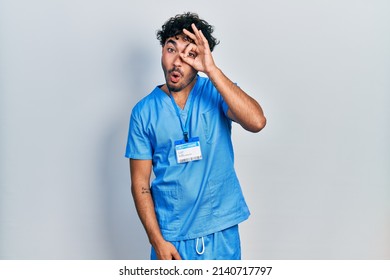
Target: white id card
188 151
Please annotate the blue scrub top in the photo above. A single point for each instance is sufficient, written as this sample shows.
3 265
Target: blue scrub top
196 198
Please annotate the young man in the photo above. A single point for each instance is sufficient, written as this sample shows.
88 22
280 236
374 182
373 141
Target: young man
182 130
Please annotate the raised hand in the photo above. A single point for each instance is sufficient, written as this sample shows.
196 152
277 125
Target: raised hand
198 53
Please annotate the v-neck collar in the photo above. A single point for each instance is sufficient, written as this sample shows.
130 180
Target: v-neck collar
166 98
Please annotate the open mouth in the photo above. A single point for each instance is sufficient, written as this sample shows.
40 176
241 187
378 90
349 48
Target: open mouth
175 76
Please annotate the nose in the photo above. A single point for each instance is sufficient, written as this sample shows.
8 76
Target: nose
178 61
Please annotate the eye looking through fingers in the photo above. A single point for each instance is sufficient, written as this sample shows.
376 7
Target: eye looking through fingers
191 51
192 54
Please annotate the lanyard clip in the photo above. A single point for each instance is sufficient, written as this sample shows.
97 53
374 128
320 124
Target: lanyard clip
185 136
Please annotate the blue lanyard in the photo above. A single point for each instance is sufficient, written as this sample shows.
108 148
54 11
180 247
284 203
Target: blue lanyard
185 127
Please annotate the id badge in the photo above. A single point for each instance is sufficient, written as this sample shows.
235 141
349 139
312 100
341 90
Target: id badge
188 151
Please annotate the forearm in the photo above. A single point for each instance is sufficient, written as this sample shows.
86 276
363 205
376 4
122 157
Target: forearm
145 208
243 109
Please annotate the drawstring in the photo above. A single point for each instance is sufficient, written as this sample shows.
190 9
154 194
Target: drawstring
197 240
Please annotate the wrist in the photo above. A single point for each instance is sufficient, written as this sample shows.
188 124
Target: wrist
213 72
156 240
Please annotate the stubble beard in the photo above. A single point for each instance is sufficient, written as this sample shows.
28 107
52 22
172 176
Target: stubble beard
173 87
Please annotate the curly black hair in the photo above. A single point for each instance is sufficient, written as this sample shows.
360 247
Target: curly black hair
175 25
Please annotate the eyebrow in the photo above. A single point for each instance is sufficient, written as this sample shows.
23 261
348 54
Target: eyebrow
171 41
174 43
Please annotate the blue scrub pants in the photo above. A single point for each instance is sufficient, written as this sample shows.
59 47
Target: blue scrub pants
222 245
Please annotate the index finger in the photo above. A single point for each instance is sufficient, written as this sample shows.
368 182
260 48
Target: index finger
198 33
190 35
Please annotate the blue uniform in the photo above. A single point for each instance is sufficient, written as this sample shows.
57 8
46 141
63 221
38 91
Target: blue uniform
196 198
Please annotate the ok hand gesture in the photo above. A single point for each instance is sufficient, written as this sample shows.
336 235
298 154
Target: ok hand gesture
198 53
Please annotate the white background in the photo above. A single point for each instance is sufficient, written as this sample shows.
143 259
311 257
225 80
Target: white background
317 178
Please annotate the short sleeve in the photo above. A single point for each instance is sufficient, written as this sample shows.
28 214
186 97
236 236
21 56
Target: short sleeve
225 107
138 143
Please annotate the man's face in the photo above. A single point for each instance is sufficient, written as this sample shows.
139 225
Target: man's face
178 74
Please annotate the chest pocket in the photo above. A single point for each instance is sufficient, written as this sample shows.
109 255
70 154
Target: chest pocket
214 123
